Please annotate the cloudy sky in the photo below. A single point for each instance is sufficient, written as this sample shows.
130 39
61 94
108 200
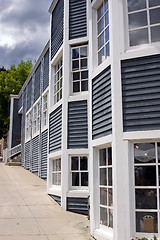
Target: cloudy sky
24 30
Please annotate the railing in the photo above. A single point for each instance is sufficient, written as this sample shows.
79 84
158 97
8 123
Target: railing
15 150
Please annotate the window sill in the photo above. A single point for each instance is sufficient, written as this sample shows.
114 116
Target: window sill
55 190
102 234
78 193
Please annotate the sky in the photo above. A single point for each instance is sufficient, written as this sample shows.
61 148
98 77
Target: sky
24 30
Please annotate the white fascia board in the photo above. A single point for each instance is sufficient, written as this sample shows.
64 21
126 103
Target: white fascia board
52 6
142 135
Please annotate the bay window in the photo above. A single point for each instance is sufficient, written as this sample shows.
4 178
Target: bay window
58 78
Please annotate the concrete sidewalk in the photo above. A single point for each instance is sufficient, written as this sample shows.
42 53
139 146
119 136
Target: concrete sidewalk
28 213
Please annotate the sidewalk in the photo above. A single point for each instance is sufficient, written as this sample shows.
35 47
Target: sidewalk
28 213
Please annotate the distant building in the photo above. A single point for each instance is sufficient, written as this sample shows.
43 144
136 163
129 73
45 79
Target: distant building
90 114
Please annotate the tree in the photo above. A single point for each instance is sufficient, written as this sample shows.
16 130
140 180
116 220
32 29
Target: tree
11 81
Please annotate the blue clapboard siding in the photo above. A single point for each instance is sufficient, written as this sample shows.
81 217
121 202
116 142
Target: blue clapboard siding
101 105
35 154
57 27
16 127
23 128
37 83
56 198
141 93
55 130
46 70
29 94
77 19
77 125
27 155
77 205
44 154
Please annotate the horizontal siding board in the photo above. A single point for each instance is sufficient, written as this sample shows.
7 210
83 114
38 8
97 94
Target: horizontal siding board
77 125
44 154
101 105
46 70
77 205
37 82
141 93
27 155
77 19
55 130
35 154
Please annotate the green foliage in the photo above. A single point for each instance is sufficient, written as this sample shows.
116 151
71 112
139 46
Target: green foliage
11 81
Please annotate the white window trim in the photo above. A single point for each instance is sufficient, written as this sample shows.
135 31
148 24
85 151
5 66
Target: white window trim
58 172
28 126
55 81
36 118
44 112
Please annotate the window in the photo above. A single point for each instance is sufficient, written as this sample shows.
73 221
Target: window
103 31
58 78
147 186
45 110
144 21
105 187
80 68
56 174
36 123
79 171
28 125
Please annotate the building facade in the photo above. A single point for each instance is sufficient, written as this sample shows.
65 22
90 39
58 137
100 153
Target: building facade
91 114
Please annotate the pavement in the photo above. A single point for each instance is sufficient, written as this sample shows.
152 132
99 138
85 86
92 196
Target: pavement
28 213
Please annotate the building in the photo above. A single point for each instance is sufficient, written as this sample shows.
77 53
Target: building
91 114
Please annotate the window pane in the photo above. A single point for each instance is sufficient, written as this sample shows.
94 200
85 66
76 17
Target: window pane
155 16
59 178
84 179
103 196
145 176
76 76
76 86
109 176
106 5
138 37
100 12
84 75
103 176
102 157
107 49
101 56
83 163
54 165
146 199
136 5
83 52
75 65
55 179
153 3
107 34
158 149
75 53
100 25
155 34
144 153
75 179
109 156
103 216
110 197
137 20
83 63
106 19
84 85
146 222
101 40
74 163
111 218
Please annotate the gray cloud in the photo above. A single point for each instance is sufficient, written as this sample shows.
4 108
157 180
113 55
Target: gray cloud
24 27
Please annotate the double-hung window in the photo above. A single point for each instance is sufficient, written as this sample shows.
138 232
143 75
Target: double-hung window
144 21
45 110
105 187
80 68
58 78
28 125
79 171
56 173
103 31
36 118
147 186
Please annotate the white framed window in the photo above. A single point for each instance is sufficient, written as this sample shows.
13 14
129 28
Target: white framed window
58 79
28 125
103 31
79 171
56 173
144 21
36 118
105 187
147 187
80 68
45 109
